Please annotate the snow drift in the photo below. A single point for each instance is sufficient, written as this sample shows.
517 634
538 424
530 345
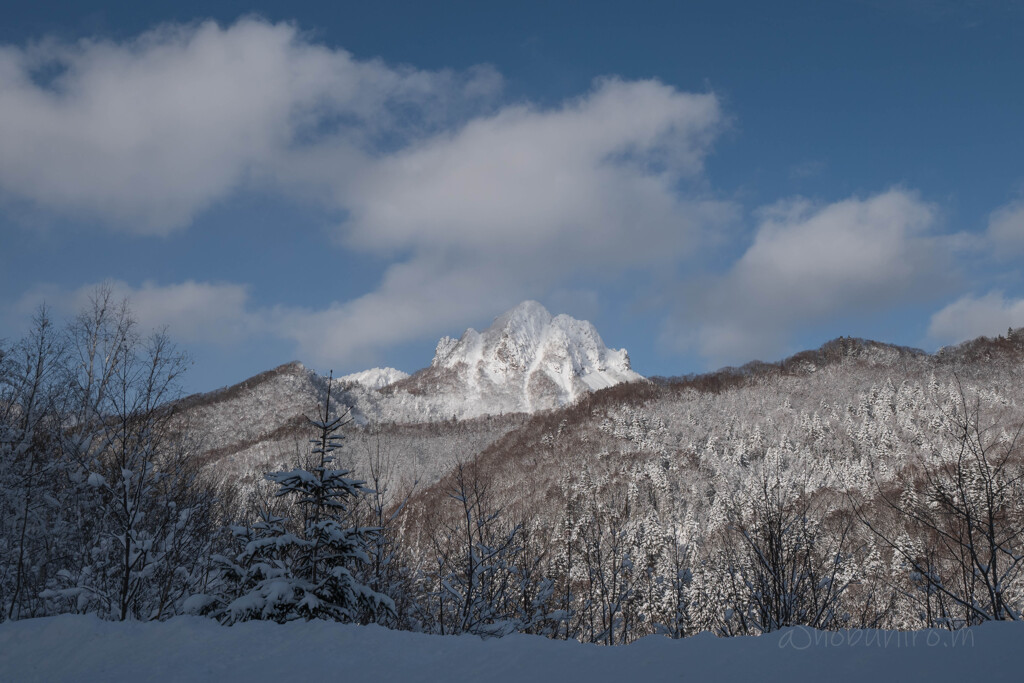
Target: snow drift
84 648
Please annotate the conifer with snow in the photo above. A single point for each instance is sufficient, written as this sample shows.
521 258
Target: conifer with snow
284 575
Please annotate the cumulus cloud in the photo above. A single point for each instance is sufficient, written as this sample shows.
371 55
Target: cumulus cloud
514 204
481 205
191 311
571 178
144 134
415 300
973 316
477 204
808 262
1006 229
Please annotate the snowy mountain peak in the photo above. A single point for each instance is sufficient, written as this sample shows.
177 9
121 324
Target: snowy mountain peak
518 332
529 360
526 361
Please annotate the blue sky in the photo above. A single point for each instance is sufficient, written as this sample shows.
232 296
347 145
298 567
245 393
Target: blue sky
344 183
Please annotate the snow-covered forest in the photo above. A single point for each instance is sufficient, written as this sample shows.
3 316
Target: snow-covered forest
859 486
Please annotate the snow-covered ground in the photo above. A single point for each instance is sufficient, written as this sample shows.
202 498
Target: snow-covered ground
83 648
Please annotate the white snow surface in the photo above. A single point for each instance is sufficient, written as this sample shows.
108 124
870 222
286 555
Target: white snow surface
374 378
84 648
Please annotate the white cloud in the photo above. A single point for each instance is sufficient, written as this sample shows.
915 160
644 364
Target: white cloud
480 205
518 203
1006 230
485 205
145 134
415 300
807 263
191 311
348 334
573 178
971 316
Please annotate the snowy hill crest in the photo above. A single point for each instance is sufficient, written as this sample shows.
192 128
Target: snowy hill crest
375 378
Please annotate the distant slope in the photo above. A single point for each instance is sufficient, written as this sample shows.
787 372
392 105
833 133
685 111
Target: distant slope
252 411
688 445
260 425
820 398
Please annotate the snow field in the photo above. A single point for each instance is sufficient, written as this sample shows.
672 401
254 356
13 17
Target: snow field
84 649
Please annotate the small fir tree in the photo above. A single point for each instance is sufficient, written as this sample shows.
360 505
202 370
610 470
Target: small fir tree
284 576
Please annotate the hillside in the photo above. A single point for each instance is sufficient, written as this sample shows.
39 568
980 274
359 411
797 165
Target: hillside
825 412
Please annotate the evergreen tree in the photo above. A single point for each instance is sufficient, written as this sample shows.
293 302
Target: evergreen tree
284 576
